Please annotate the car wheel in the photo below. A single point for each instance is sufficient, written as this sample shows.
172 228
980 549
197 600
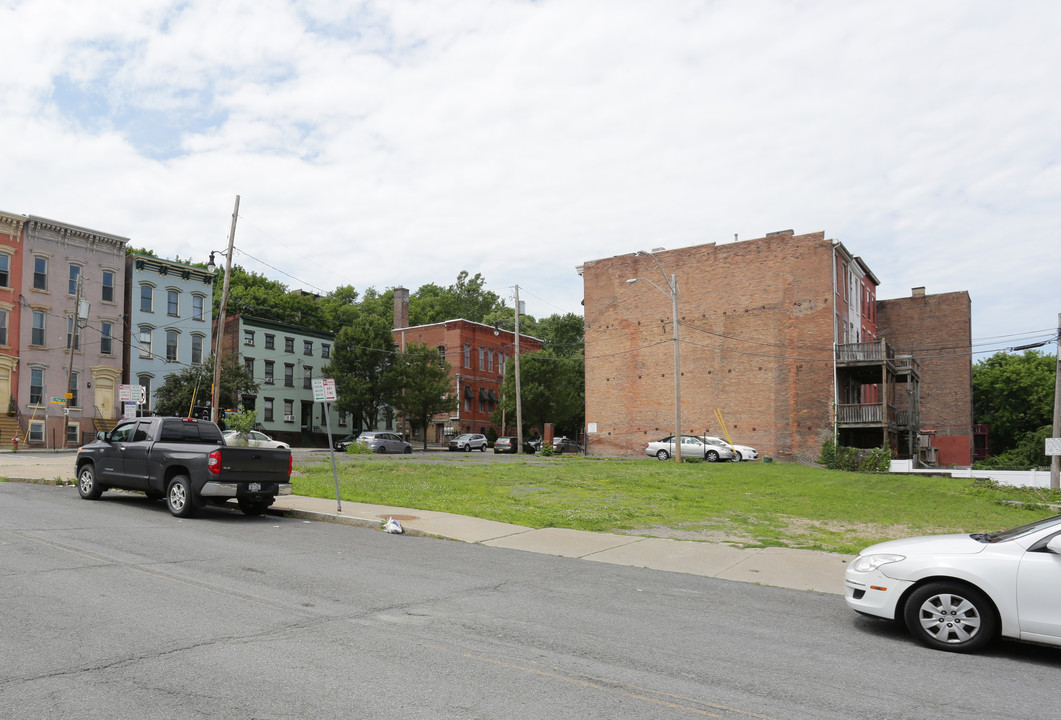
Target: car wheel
255 505
711 456
408 450
737 457
663 455
179 497
483 448
87 486
381 450
468 447
950 616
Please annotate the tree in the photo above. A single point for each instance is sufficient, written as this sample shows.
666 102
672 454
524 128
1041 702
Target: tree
258 296
552 389
465 299
191 386
363 364
425 387
1014 395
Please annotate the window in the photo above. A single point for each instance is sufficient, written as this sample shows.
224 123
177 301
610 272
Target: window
40 273
144 381
307 347
197 349
268 409
73 331
106 331
36 432
269 365
37 334
289 345
145 342
71 389
326 350
248 363
171 345
289 410
342 419
467 356
75 273
197 307
248 338
307 377
108 286
490 360
270 342
5 270
147 297
289 376
3 327
482 358
173 303
36 386
73 430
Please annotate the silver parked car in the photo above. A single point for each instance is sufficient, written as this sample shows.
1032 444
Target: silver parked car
384 442
692 446
468 442
741 452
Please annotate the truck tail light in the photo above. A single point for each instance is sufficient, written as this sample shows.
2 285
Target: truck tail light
213 463
290 464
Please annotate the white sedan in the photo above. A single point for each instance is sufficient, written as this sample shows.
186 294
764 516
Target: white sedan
741 452
960 592
691 447
252 439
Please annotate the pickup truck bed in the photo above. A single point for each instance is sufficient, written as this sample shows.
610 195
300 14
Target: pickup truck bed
184 461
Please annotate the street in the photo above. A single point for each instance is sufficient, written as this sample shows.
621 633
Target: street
116 609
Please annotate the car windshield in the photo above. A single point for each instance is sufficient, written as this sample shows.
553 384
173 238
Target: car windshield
1017 532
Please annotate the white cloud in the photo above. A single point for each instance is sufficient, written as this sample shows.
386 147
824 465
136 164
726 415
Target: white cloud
397 143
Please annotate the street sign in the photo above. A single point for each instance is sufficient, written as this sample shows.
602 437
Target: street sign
58 401
132 393
324 390
1053 446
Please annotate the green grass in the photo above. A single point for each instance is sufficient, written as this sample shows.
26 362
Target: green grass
747 505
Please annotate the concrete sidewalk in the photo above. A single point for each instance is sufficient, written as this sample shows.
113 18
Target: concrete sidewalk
779 567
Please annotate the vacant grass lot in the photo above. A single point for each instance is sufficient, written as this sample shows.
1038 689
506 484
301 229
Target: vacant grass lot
747 505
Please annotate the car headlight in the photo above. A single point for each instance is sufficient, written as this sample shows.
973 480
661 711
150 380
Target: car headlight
869 563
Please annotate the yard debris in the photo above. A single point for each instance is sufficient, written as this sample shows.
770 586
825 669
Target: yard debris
392 526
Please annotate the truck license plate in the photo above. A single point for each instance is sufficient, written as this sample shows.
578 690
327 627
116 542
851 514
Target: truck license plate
255 487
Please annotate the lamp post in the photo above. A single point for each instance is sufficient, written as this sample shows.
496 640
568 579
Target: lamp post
215 390
672 292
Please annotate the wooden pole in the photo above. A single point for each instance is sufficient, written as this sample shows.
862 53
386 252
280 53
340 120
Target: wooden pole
216 389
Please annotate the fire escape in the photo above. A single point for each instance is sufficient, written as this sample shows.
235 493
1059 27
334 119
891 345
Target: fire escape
878 396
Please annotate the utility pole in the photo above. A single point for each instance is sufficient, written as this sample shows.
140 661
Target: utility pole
519 395
216 389
73 340
1055 460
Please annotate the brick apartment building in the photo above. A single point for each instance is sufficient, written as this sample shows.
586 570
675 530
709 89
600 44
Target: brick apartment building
784 336
478 356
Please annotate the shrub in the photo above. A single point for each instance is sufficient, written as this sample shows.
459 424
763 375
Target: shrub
356 448
840 457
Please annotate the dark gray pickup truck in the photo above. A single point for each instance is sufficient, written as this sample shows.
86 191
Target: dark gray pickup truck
184 461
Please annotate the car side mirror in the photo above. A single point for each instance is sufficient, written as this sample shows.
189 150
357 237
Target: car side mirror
102 435
1054 545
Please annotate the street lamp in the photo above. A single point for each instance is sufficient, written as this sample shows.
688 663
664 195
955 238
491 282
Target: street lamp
672 292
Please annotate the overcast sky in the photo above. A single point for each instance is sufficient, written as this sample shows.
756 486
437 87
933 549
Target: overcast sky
395 143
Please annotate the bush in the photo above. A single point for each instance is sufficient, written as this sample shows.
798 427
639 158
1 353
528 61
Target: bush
356 448
840 457
1029 453
547 449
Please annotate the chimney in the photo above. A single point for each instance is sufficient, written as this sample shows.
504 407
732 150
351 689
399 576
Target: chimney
401 308
919 291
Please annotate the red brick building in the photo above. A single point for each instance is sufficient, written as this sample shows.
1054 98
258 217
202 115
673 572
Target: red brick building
782 335
478 355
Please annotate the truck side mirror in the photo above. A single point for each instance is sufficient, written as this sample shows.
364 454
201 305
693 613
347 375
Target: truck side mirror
101 435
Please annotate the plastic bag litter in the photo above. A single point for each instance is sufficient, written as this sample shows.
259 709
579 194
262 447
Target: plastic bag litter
392 526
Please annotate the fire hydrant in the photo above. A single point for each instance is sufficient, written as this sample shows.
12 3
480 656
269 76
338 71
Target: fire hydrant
14 444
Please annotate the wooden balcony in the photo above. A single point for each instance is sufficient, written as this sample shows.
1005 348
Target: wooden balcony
873 415
870 354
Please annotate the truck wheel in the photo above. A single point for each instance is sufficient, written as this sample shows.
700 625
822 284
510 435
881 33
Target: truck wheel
87 486
255 505
179 497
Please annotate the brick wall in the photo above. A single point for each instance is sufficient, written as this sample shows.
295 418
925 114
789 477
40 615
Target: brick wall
937 330
756 330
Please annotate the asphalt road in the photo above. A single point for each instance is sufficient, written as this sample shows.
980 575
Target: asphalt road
115 609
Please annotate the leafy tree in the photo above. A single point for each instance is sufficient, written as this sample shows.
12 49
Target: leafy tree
363 364
552 390
175 396
425 387
1029 453
465 299
1014 395
256 295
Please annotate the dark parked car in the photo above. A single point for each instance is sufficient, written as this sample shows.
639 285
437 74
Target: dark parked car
508 445
342 444
563 445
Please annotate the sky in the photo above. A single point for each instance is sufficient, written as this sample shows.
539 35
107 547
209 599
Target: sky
397 143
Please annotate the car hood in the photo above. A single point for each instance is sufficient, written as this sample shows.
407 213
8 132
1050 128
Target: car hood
928 544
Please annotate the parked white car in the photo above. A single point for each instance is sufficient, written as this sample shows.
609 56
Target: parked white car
252 439
741 452
692 446
960 592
